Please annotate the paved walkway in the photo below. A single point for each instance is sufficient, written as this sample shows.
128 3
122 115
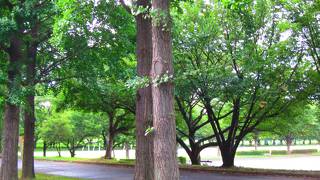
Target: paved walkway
103 172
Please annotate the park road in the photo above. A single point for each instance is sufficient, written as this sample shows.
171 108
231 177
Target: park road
104 172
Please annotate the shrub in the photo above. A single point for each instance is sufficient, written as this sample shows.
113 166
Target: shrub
182 160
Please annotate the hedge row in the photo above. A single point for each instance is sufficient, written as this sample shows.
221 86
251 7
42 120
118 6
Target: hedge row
275 152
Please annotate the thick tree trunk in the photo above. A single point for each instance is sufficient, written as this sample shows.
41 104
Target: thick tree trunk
109 147
195 158
29 118
28 150
9 164
227 158
144 144
165 159
72 152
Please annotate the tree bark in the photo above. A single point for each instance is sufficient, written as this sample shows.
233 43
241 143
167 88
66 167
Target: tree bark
109 147
144 144
28 150
9 164
165 159
29 118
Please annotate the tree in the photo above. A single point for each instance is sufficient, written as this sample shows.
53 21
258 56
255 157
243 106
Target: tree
83 125
239 67
193 120
105 56
114 100
13 47
55 131
295 122
165 161
305 16
144 146
27 25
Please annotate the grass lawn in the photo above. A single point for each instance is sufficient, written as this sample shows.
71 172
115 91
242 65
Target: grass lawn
40 176
88 160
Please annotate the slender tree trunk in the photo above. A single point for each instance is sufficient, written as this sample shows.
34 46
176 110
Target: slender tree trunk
165 159
127 147
29 118
289 143
44 148
111 134
58 149
144 144
9 164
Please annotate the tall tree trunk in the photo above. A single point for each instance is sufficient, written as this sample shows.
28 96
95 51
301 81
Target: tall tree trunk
9 164
165 158
144 144
29 118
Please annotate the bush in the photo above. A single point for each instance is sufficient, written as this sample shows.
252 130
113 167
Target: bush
182 160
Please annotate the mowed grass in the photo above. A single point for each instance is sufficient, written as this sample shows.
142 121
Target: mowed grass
40 176
88 160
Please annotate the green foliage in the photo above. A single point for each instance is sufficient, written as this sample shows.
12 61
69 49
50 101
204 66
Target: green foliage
56 130
296 122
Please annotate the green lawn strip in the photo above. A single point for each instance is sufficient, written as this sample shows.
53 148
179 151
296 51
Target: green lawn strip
120 162
253 171
41 176
234 170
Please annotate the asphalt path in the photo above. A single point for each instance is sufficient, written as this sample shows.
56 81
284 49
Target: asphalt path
104 172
